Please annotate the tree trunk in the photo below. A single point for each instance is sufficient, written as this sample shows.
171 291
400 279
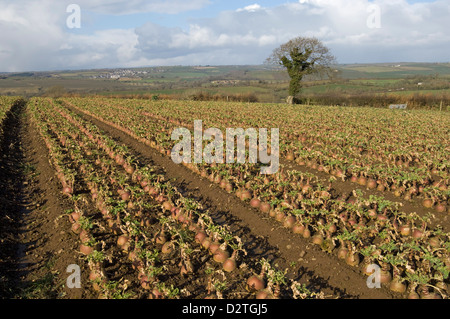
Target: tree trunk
290 99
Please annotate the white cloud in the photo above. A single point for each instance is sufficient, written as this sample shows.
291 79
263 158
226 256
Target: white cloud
101 49
250 8
120 7
34 36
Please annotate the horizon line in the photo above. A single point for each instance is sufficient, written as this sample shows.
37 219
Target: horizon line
210 65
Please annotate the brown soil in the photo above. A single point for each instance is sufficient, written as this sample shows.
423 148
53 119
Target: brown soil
37 245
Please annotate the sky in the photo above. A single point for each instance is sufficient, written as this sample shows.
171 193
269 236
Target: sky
85 34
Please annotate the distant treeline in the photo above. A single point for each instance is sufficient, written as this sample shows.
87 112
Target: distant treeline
235 97
194 96
414 100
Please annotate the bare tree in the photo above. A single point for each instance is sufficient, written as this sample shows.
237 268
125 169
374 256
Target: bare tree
302 56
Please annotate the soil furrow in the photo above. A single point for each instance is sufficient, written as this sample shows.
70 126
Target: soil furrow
12 203
36 243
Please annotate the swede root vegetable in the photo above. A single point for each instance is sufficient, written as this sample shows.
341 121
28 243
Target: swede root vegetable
146 281
84 236
298 228
246 195
441 208
76 228
213 247
264 207
342 252
371 183
306 232
132 255
67 190
367 267
74 217
168 247
362 181
217 179
405 230
255 283
290 156
124 194
138 264
161 198
161 238
317 239
385 276
129 169
156 294
220 255
412 294
397 285
123 242
229 187
425 293
427 203
280 216
229 264
255 202
434 242
206 243
417 233
289 221
86 250
167 206
97 279
352 259
200 236
194 228
152 191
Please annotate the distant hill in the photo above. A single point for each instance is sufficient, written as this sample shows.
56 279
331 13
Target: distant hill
393 70
269 83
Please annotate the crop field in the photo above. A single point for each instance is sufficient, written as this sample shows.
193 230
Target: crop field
359 207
